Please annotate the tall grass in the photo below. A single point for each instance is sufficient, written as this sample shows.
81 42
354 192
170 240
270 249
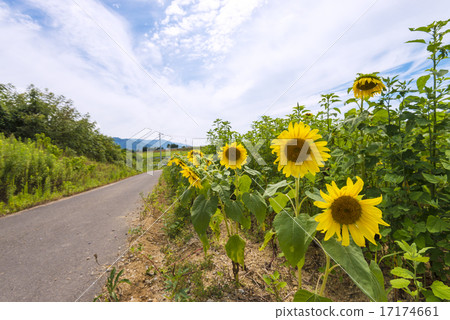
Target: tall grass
32 172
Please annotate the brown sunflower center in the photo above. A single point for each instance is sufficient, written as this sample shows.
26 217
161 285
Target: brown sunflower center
233 154
346 210
367 85
298 151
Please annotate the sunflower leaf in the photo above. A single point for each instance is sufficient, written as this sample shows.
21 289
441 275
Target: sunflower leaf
234 210
279 202
256 204
351 259
235 249
294 235
400 283
273 188
202 211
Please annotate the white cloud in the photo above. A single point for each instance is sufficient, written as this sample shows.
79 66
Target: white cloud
216 59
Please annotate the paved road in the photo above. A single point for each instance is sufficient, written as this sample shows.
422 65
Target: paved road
47 252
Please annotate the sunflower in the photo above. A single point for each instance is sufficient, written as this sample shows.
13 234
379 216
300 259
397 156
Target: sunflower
344 208
192 176
297 151
233 156
367 85
176 161
194 156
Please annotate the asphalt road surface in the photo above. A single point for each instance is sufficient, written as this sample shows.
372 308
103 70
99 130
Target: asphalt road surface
47 252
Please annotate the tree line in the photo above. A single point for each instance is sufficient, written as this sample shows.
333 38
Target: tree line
26 114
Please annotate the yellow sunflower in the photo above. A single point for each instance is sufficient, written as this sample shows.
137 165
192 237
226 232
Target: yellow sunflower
344 209
367 85
297 151
194 156
233 156
192 176
176 161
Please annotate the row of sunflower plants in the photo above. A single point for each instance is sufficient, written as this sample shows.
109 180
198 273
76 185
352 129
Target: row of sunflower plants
333 174
229 193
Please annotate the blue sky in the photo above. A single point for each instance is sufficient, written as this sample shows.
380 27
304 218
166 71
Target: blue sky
177 65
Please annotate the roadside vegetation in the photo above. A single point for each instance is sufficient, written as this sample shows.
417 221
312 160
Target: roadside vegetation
331 207
48 150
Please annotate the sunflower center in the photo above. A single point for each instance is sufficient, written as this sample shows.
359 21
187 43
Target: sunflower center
346 210
232 154
367 86
298 151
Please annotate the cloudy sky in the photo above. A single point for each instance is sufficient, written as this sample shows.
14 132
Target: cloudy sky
177 65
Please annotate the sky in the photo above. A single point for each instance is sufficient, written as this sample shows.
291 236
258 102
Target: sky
174 66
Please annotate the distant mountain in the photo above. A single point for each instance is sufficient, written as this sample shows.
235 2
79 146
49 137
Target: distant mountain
139 144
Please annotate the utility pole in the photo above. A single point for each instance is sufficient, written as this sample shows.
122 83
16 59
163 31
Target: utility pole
160 150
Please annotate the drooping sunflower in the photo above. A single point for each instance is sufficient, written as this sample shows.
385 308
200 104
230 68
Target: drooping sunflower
192 176
367 85
345 210
176 161
233 156
194 156
298 152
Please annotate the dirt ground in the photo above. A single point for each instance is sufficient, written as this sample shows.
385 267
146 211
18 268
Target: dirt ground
162 266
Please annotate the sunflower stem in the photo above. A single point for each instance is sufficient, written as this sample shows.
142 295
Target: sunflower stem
325 276
222 208
297 196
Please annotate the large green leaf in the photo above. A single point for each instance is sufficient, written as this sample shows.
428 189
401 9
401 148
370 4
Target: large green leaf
352 261
235 249
435 179
294 235
273 188
256 204
244 183
306 296
440 290
234 210
435 224
402 273
202 211
187 196
422 81
378 274
279 202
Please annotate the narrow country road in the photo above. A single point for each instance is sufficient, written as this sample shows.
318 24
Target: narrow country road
47 252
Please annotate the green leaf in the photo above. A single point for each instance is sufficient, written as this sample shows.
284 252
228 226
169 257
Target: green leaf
244 183
279 202
417 40
235 249
422 81
234 210
314 196
293 239
306 296
267 237
440 290
202 211
378 274
402 273
434 179
187 196
273 188
256 204
435 224
352 261
393 178
430 297
400 283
